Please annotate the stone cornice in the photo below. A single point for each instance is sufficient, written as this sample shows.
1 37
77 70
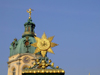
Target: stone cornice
20 55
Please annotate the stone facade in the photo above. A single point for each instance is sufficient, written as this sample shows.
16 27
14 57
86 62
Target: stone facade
21 51
17 63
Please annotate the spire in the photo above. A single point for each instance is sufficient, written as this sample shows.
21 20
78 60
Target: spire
29 26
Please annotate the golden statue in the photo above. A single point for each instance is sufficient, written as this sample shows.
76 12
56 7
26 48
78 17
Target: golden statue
29 11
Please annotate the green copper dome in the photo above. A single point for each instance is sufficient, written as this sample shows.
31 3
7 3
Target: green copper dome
24 44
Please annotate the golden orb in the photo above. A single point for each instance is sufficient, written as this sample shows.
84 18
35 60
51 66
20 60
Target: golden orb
52 64
54 71
50 71
57 66
29 66
30 71
50 61
46 65
63 71
34 71
40 64
29 17
43 61
47 71
58 71
43 67
37 60
42 71
34 63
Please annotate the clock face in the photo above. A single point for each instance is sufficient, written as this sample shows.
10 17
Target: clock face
43 44
26 59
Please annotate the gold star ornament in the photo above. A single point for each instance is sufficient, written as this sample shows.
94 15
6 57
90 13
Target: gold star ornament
44 44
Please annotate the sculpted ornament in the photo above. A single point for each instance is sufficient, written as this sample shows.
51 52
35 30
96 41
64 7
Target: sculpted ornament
44 44
27 43
14 43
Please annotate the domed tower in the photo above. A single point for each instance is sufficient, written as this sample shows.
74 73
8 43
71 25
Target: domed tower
21 51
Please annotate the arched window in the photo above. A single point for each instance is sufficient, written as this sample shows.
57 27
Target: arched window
14 72
28 28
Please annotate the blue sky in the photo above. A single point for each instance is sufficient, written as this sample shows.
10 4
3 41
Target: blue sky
75 24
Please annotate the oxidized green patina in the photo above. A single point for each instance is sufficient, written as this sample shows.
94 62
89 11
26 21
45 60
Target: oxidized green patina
24 44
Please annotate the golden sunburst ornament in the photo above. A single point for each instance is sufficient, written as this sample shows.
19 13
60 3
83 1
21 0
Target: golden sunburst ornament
44 44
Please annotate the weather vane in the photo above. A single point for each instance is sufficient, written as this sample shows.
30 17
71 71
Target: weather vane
29 11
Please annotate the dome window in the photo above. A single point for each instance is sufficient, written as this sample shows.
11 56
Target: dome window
28 28
14 72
